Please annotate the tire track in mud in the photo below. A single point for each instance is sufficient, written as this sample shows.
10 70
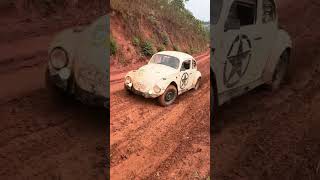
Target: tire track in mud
145 135
44 139
274 138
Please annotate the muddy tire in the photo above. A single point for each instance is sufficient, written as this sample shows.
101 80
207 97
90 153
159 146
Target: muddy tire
56 94
168 97
216 123
196 87
53 90
127 90
280 72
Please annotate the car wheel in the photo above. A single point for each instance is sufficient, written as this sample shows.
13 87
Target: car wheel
280 71
216 124
168 96
127 90
196 87
56 94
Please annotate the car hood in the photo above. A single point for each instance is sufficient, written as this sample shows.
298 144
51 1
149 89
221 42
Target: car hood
151 73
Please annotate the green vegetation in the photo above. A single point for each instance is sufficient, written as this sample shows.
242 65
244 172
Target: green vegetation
147 48
161 48
113 46
176 48
165 39
136 41
169 21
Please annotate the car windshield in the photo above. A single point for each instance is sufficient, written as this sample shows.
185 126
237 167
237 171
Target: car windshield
165 60
215 11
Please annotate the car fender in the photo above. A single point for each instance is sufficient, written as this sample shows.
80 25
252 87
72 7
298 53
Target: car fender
165 82
283 43
196 77
67 40
91 66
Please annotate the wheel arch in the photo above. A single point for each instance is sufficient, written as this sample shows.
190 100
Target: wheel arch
283 44
174 84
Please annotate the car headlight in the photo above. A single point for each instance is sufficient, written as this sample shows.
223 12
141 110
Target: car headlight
58 58
128 80
156 89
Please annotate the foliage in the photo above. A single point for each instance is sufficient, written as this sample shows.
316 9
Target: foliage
147 48
176 48
113 46
136 41
165 39
161 48
170 11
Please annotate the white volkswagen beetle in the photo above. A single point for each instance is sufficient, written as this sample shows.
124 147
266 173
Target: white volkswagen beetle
167 75
78 63
248 48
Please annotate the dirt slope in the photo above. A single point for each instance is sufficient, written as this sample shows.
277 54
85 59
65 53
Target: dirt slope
153 142
275 135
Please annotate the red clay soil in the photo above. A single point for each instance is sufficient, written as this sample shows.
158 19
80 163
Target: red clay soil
41 137
276 135
153 142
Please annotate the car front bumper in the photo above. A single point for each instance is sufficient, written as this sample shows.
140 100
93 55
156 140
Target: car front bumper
57 83
141 93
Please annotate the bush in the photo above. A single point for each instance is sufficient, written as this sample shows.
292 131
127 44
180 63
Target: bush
113 47
147 48
176 48
161 48
165 39
136 41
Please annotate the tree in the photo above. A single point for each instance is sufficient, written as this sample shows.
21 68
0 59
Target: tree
179 4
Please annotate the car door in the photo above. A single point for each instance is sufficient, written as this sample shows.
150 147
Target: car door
193 73
266 35
238 48
185 76
224 39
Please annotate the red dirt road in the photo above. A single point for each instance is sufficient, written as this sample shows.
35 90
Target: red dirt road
153 142
42 138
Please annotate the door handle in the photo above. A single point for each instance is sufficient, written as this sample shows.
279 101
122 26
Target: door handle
257 38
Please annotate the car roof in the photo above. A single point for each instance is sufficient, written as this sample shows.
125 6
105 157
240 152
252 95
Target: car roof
177 54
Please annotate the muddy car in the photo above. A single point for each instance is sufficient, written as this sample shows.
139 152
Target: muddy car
167 75
248 48
77 63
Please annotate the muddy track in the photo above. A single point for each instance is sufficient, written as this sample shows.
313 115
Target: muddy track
154 142
42 137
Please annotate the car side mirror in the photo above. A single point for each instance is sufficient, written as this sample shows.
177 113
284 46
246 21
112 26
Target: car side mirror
232 25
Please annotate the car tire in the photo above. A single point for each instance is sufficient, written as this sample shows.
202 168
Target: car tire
56 94
280 71
196 87
169 96
129 92
216 123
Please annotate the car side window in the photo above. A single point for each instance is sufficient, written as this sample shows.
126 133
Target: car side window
243 13
185 65
269 11
194 64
